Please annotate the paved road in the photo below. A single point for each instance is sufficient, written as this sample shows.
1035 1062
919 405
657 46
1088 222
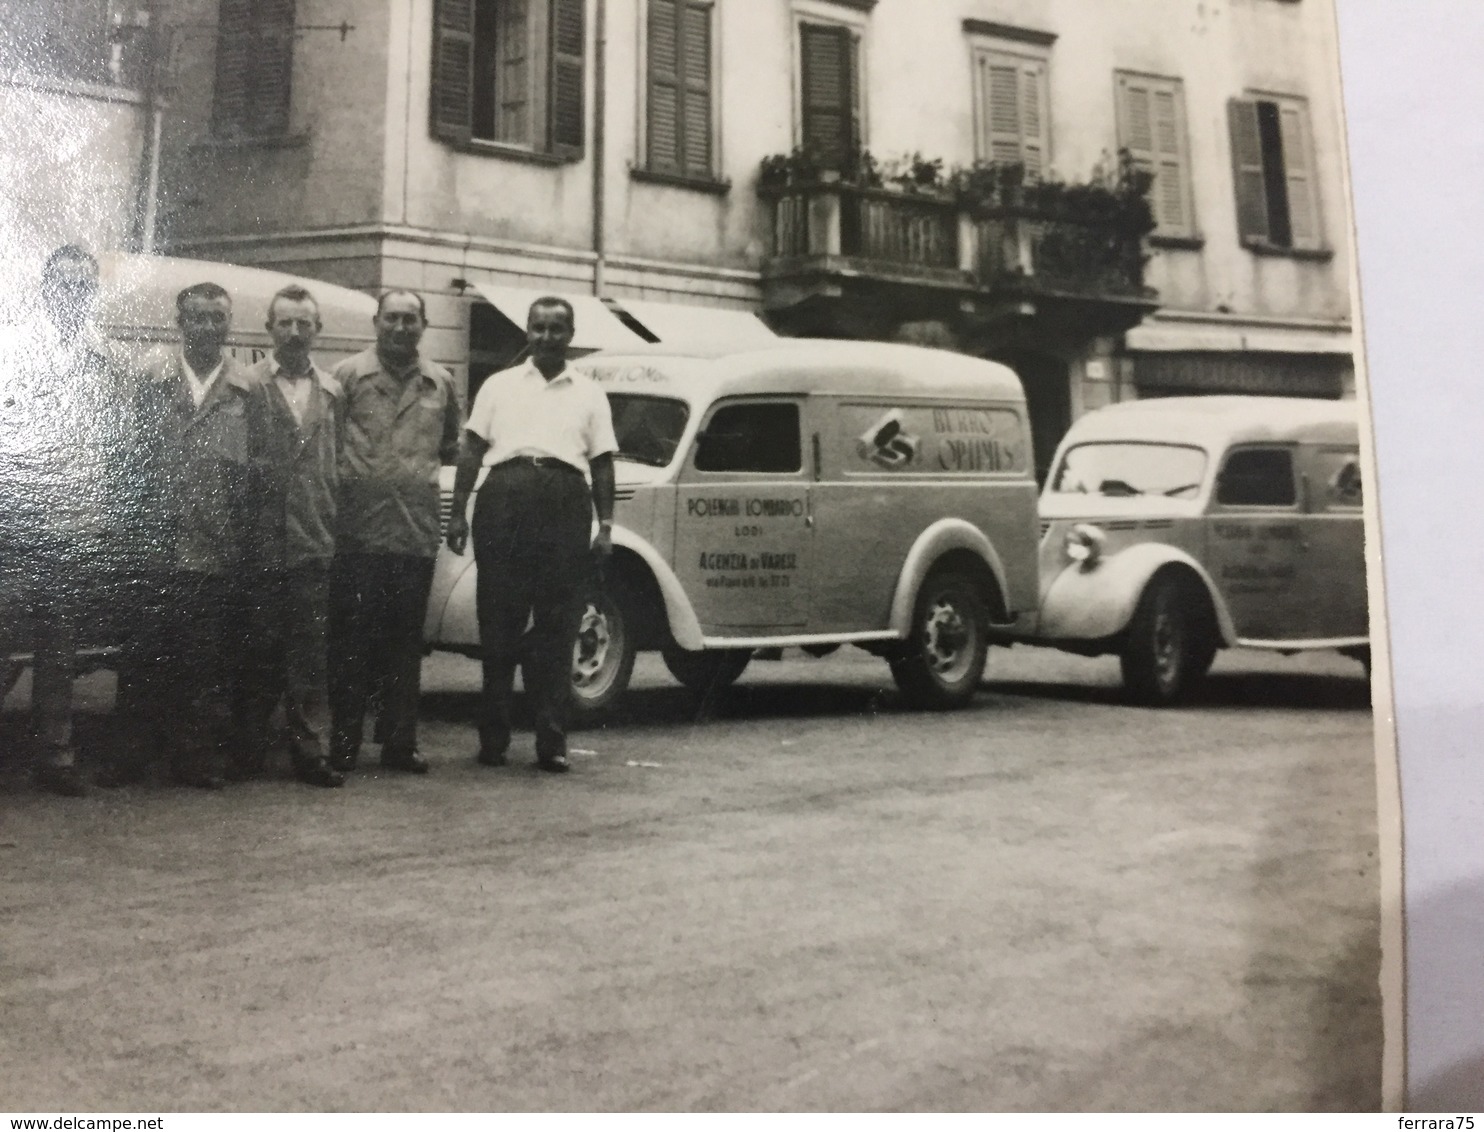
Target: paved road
812 899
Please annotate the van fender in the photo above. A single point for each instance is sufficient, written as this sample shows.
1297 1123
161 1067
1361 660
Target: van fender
453 614
685 627
1093 604
942 537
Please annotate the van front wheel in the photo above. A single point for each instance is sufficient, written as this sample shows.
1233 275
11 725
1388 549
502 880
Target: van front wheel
602 658
944 657
1169 647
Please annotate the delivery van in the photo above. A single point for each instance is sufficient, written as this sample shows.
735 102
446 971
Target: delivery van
803 493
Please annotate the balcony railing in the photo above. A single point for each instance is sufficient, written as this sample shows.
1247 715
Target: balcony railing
901 234
912 232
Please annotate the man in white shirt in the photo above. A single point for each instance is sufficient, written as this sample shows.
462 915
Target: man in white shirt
545 433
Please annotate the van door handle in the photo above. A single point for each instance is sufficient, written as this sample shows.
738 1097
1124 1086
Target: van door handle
809 521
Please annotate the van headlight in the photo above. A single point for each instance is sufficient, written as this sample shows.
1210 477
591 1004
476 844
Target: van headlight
1085 544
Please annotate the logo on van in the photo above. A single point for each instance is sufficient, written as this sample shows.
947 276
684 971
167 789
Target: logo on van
887 443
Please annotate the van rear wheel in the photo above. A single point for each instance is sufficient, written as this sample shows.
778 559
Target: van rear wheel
705 670
944 657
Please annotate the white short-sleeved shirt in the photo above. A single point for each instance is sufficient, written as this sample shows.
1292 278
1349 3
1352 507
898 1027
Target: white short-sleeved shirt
517 412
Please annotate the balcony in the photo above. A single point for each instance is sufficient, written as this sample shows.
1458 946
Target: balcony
844 258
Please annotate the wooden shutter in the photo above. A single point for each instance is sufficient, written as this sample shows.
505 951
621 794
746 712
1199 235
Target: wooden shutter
1303 206
1248 173
826 79
1151 126
1014 114
664 85
566 102
695 74
452 103
272 67
234 51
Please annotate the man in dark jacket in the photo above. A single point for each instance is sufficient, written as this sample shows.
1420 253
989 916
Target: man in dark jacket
402 423
291 589
200 444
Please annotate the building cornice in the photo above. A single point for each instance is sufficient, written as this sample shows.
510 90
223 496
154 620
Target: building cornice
1011 32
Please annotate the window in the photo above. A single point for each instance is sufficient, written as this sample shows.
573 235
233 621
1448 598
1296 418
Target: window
1151 126
1273 168
1337 471
1011 101
751 438
830 92
254 68
1122 469
679 127
1257 477
510 72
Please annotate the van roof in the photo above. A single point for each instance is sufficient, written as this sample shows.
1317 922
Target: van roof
137 299
818 365
1219 421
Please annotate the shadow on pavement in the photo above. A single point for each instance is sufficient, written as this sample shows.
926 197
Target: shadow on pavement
1299 690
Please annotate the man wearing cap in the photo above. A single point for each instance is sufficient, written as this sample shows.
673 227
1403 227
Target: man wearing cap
546 434
402 423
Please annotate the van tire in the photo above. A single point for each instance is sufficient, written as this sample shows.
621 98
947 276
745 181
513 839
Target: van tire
705 670
943 660
1169 645
602 656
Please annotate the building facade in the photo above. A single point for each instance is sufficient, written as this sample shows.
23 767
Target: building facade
75 84
965 173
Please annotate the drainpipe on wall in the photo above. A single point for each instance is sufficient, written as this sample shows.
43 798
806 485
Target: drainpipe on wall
148 206
600 148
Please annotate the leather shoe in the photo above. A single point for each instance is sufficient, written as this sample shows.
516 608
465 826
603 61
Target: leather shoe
64 780
410 762
554 764
491 756
318 772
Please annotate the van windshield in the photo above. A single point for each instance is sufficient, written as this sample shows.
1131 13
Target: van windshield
648 428
1123 469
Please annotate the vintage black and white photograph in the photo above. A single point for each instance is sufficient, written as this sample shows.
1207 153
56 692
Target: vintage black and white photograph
683 555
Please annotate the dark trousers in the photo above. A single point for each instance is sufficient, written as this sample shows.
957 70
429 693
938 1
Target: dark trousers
288 629
177 670
532 536
41 588
377 602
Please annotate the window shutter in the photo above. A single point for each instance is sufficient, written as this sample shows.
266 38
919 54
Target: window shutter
234 51
273 67
1035 126
826 79
664 85
696 79
452 101
1000 111
566 102
1170 188
1247 169
1303 208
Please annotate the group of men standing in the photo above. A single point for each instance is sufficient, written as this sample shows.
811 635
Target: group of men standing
269 532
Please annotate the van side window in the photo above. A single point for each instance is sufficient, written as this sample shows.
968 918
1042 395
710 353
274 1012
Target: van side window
1257 477
1337 471
751 438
